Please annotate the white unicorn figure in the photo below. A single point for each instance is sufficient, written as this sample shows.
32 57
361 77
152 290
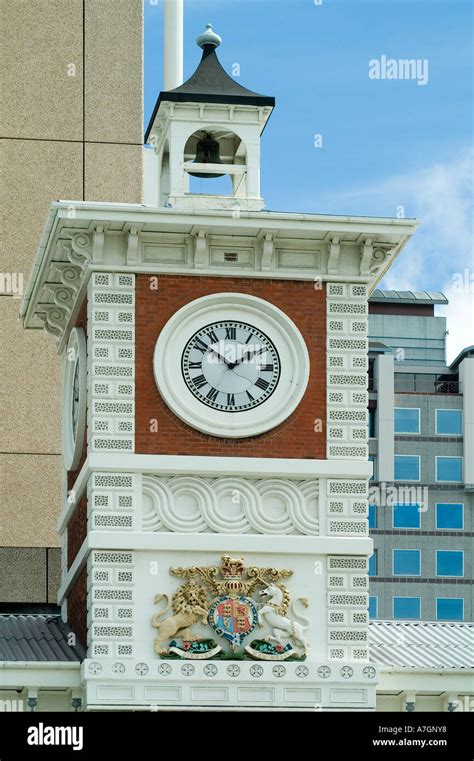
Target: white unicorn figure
283 627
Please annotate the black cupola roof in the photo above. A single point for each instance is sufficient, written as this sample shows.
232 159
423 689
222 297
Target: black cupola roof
210 83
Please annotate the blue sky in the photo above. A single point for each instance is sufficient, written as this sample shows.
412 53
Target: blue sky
386 144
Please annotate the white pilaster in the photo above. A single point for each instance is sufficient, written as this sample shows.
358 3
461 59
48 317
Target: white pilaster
384 375
466 377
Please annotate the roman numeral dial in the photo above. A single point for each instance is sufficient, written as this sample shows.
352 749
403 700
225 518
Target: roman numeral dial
230 366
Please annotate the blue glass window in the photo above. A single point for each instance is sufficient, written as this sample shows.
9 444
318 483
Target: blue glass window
407 467
372 515
406 607
406 562
450 609
449 515
406 516
373 564
407 420
449 469
449 563
373 605
449 422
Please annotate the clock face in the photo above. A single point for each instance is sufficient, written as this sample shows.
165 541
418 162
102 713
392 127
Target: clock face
231 366
74 398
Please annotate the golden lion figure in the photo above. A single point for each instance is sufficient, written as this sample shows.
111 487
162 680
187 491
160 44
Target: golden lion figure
189 606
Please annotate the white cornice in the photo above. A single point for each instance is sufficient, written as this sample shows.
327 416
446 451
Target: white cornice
81 237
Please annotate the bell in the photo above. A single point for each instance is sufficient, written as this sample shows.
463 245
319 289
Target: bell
207 152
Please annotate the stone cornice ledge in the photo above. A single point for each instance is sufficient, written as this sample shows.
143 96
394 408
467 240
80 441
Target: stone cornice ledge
245 467
113 237
156 541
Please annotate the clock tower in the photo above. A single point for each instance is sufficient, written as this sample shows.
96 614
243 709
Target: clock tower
214 519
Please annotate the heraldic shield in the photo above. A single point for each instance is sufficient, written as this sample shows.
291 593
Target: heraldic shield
233 618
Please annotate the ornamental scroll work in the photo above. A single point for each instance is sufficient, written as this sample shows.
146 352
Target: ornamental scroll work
64 279
233 602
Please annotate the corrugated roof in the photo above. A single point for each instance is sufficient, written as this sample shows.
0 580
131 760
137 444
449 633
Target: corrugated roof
37 638
404 644
422 644
408 297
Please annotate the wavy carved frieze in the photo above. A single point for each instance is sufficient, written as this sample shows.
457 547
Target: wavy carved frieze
230 505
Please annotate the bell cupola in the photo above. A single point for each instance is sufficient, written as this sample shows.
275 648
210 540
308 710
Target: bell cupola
208 127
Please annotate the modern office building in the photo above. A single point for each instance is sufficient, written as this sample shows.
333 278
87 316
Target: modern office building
72 117
421 415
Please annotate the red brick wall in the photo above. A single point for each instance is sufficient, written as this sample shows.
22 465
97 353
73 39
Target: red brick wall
76 530
77 607
296 437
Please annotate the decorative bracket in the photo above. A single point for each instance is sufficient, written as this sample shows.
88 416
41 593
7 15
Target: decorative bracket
53 317
80 252
98 244
200 248
132 245
333 258
366 251
267 250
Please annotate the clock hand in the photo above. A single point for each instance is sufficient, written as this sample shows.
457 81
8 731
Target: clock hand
229 364
248 356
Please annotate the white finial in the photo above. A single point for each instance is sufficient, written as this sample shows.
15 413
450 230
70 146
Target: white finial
209 37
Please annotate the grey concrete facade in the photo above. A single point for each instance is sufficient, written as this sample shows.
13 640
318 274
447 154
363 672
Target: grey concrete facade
72 121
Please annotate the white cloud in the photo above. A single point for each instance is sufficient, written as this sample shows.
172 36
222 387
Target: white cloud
460 314
441 251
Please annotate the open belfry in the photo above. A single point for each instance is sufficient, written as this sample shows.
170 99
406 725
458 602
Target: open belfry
215 475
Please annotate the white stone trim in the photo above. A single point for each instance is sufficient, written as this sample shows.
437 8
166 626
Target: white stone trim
111 362
306 545
232 684
230 505
246 467
347 363
110 603
348 621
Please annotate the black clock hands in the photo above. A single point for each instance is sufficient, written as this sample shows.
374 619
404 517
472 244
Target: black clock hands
246 355
229 364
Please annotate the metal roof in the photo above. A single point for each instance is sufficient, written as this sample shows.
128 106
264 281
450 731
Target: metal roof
408 297
401 644
422 644
210 83
467 352
37 638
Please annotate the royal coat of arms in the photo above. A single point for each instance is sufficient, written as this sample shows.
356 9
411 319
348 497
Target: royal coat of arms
221 599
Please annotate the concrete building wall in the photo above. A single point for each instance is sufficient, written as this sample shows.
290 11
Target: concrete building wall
72 118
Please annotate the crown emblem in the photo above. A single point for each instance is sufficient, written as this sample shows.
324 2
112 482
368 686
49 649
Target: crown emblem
232 571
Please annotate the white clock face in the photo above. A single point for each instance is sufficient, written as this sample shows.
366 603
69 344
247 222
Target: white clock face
231 366
74 398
